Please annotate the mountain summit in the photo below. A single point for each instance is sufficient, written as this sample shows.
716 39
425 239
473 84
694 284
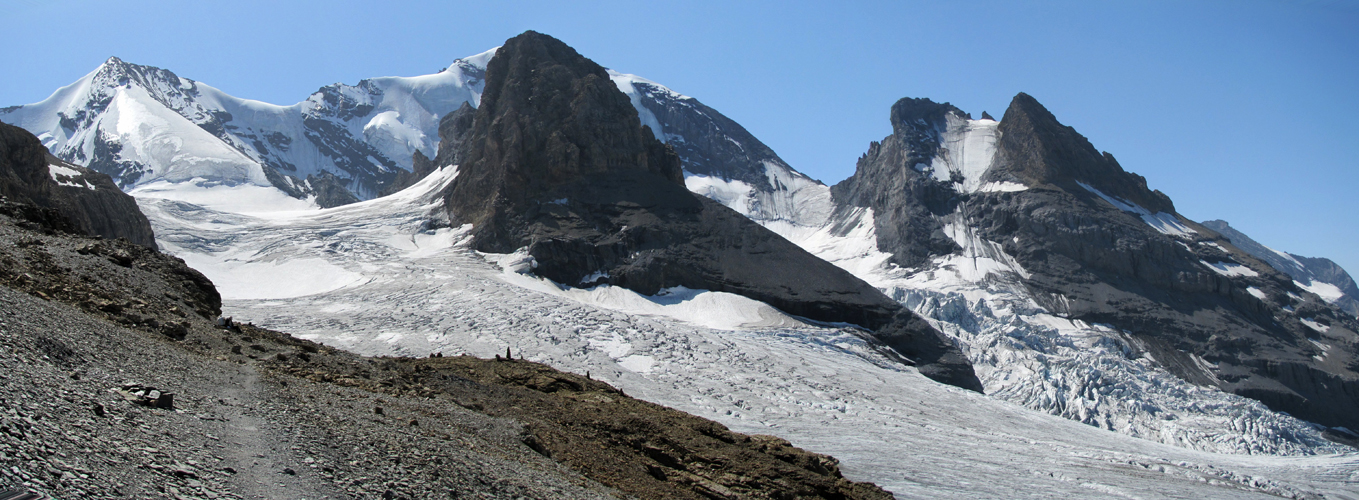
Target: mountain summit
1028 209
548 117
141 124
557 162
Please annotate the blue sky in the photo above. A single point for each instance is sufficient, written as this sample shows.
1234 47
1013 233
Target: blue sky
1244 110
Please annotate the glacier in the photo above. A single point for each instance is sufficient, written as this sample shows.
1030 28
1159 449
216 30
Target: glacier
420 290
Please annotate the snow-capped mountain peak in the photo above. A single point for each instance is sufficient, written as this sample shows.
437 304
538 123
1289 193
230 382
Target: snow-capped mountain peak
143 124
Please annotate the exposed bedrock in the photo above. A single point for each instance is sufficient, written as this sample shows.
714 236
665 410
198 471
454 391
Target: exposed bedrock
92 202
557 161
1096 244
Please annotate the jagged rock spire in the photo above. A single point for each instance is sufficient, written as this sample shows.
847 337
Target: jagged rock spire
547 116
1036 149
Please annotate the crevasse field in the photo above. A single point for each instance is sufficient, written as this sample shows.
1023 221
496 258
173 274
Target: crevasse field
379 278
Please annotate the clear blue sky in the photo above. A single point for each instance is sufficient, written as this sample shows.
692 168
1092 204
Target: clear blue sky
1245 110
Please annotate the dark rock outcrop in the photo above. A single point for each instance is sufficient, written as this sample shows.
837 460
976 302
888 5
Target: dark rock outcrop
329 190
92 202
906 202
557 161
1245 330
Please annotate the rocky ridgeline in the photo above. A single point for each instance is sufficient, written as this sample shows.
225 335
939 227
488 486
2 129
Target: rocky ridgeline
123 385
1308 270
557 161
1091 242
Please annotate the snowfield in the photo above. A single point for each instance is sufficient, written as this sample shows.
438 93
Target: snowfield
385 280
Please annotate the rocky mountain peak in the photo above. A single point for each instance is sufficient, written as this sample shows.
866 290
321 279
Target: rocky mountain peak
548 116
114 66
558 163
112 62
918 115
116 72
1037 150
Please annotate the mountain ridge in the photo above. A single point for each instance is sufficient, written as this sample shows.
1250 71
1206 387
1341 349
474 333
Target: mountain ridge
557 161
1089 241
1307 272
765 189
120 119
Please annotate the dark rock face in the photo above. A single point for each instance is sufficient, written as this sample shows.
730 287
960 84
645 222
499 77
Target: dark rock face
543 124
1303 269
906 202
558 162
1036 150
1095 261
90 200
329 190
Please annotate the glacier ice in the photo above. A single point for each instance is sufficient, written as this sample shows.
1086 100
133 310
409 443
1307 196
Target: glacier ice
824 388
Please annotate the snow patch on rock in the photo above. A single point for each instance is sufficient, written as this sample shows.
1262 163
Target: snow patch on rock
1165 222
966 151
67 176
1229 268
1327 291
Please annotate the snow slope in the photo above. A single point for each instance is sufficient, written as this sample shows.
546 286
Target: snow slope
141 124
421 290
101 111
722 160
